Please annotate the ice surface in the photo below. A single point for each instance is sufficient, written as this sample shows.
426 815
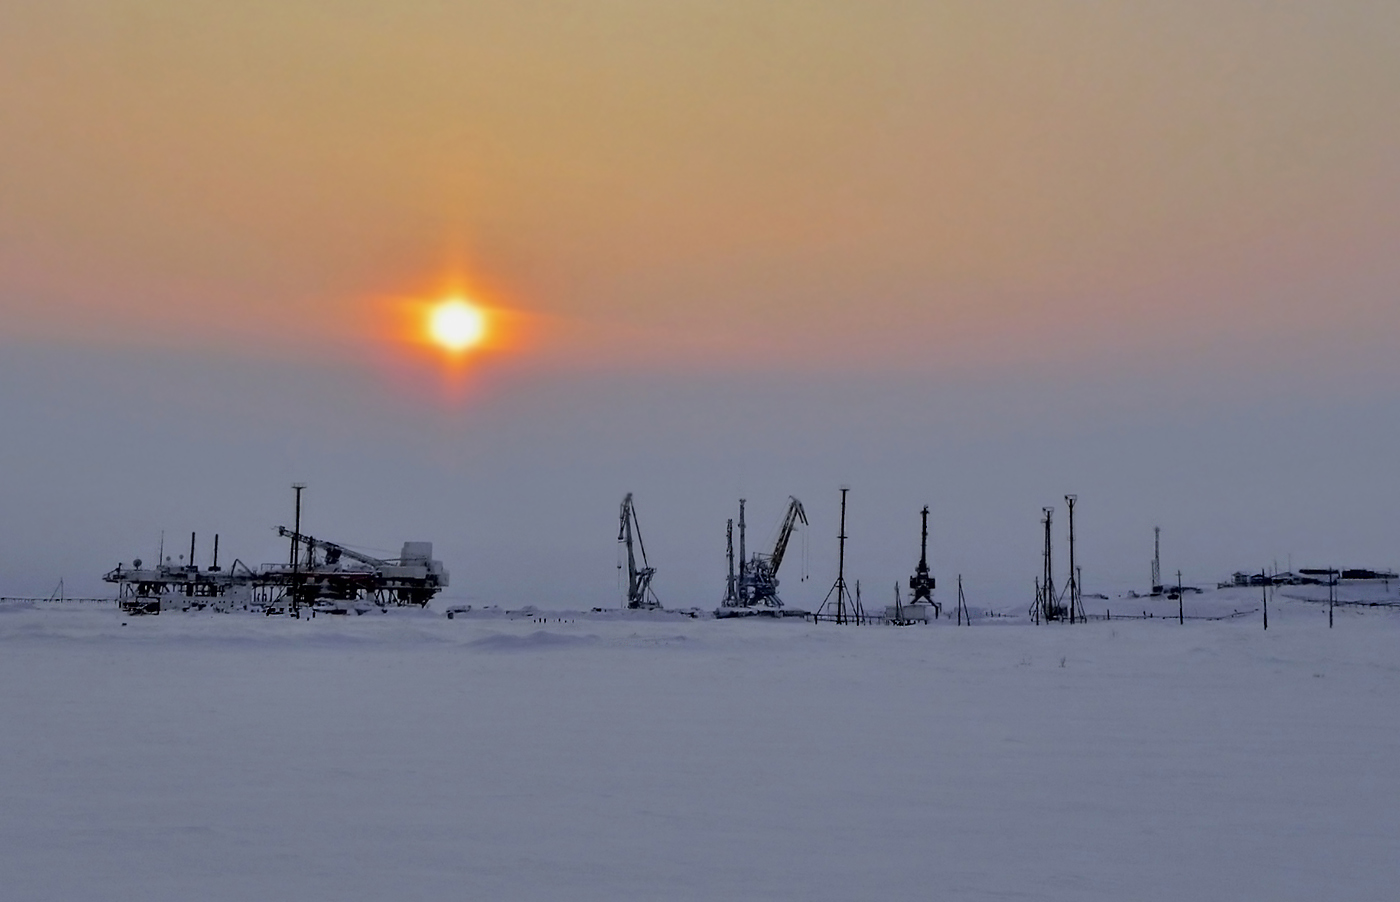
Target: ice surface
236 757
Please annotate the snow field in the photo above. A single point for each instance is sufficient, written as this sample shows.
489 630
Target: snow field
411 757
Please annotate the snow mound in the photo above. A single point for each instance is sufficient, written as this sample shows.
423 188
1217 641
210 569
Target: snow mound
537 640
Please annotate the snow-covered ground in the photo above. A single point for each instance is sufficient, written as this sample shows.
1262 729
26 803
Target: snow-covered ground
408 756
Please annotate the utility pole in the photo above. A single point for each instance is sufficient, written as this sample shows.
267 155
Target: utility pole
192 569
841 563
1156 560
962 605
1073 580
1047 583
1264 591
1180 601
296 558
1331 594
731 596
743 557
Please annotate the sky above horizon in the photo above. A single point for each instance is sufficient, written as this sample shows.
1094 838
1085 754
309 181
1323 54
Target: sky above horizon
975 255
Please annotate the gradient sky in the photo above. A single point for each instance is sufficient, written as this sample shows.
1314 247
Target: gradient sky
974 255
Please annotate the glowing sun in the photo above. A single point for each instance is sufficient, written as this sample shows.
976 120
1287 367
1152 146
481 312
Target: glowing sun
456 325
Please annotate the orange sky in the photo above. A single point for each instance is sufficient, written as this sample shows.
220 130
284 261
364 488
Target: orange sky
712 182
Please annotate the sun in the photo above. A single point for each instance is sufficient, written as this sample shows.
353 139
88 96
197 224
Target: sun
456 325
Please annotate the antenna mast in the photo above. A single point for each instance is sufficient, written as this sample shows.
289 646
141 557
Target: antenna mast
1156 560
1047 605
296 542
1076 605
839 590
731 595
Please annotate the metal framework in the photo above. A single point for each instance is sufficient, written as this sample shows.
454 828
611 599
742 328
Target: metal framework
322 576
1047 607
322 579
922 584
639 593
754 588
839 606
1074 590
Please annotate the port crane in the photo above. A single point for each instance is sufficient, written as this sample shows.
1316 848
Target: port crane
639 593
921 584
756 584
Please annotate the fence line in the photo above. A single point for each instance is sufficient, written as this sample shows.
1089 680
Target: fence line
1355 603
1146 616
20 599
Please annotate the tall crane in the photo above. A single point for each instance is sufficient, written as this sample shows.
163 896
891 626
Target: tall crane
921 584
758 577
639 593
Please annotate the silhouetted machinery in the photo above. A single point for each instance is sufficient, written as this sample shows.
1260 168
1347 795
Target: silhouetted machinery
755 586
921 584
639 593
321 576
331 572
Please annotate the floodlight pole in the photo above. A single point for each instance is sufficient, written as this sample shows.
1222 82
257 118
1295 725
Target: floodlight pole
841 563
296 556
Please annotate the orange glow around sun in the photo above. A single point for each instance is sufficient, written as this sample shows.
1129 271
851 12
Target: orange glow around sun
455 338
449 341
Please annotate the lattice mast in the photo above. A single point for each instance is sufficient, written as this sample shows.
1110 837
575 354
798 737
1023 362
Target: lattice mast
1047 603
839 606
921 584
1073 590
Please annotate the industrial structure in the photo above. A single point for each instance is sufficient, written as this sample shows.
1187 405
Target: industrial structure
319 576
839 606
753 588
921 607
1047 607
922 584
1074 589
639 593
1052 605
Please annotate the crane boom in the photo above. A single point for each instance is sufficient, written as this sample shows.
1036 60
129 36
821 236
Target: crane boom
795 515
756 584
639 594
332 549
